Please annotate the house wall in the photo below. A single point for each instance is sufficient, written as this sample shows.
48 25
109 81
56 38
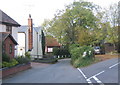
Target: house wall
34 50
2 28
21 42
37 45
14 34
14 30
7 43
27 48
40 43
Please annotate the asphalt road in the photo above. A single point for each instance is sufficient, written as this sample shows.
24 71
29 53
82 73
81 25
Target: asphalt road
63 72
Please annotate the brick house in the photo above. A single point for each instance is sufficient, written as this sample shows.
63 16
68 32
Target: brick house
50 44
7 24
8 44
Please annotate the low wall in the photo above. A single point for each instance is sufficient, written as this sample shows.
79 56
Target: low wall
9 71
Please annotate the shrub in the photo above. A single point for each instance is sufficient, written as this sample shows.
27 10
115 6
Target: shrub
55 51
27 54
22 60
80 55
12 62
61 52
5 57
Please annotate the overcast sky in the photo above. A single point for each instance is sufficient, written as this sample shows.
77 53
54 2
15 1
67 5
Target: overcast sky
19 10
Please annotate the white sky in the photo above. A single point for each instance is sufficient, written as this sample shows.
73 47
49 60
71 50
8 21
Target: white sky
19 10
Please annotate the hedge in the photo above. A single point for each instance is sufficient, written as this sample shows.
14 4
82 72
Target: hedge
81 55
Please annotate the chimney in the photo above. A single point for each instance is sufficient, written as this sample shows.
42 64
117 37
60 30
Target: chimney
30 33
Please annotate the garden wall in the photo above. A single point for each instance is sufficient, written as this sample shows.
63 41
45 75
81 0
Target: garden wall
9 71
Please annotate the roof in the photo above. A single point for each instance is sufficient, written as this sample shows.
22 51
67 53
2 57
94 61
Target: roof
37 29
23 28
5 35
50 41
7 19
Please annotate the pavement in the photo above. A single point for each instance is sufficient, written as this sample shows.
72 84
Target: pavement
62 72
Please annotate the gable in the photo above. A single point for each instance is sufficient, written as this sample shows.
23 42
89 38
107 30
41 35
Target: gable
7 20
6 35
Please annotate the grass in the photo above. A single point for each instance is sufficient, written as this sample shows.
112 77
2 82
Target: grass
84 62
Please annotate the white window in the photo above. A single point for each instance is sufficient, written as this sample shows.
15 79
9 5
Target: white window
50 49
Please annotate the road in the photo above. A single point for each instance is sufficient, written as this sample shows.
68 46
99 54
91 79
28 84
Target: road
63 72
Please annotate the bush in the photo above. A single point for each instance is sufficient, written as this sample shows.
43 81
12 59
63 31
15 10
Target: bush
5 57
56 51
12 62
22 60
27 54
81 56
61 52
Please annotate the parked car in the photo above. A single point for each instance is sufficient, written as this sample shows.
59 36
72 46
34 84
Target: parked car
97 50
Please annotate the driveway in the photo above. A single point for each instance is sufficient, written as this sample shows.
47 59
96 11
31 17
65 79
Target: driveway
63 72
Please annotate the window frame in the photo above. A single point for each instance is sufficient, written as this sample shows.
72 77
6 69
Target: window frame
10 48
9 28
4 48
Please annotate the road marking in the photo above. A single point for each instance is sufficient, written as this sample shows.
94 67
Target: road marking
97 74
94 77
82 73
97 80
88 80
114 65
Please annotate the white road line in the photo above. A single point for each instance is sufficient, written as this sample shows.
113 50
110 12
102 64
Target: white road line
88 80
96 79
114 65
82 73
97 74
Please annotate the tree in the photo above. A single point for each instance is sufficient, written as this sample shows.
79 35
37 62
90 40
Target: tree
43 42
67 24
112 18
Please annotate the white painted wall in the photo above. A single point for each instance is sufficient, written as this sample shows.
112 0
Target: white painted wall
21 42
34 50
26 40
40 43
2 28
15 33
37 45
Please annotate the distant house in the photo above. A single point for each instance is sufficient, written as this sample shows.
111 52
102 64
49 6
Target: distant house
7 24
50 44
8 44
29 39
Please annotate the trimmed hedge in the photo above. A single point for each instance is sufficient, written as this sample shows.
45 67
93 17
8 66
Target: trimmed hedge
61 52
81 55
